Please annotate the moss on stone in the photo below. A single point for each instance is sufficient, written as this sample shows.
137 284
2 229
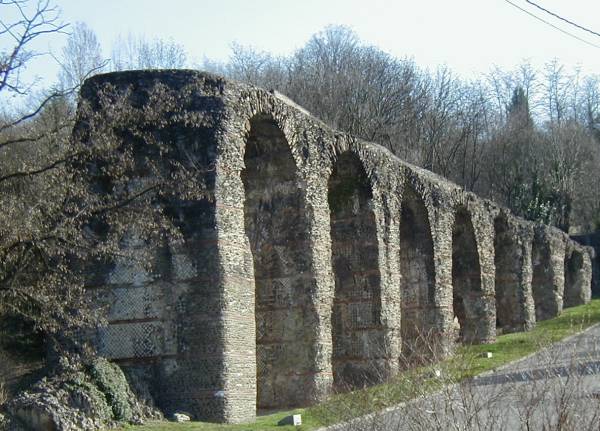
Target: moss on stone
111 381
84 394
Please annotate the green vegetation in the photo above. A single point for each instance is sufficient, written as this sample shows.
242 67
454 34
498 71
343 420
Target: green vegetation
111 381
466 363
80 383
510 347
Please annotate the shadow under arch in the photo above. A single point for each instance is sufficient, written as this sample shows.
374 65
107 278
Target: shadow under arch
467 295
508 258
277 228
574 279
357 333
545 298
417 282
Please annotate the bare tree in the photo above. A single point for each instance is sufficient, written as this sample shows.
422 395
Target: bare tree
557 87
500 136
136 52
31 21
81 57
46 195
501 85
591 105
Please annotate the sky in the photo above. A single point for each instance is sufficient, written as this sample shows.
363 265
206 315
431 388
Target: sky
469 36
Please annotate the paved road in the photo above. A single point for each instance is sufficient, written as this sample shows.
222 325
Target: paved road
556 388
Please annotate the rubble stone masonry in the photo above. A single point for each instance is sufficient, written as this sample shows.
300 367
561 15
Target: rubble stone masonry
319 262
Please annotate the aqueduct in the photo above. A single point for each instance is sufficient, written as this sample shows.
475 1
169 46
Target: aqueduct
318 262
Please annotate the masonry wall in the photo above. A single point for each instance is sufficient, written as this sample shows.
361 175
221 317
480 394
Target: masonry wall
320 262
469 302
578 274
166 300
592 243
548 279
515 308
417 283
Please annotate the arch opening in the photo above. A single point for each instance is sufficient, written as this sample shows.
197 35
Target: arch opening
417 283
507 260
542 280
277 229
357 334
466 279
574 280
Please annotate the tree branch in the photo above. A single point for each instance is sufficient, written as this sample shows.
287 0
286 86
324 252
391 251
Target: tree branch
53 165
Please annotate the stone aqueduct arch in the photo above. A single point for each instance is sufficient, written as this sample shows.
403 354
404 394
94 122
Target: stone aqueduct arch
320 262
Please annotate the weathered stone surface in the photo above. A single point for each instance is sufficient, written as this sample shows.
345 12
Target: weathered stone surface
578 273
319 261
181 417
592 241
515 308
77 398
548 280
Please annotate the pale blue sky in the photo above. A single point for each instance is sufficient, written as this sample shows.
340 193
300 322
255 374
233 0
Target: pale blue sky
468 35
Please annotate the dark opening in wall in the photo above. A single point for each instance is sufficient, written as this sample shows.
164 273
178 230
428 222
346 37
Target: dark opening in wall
542 283
277 229
574 279
466 279
356 324
508 261
417 281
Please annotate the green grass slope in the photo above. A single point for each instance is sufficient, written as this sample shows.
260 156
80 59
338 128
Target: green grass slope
467 362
